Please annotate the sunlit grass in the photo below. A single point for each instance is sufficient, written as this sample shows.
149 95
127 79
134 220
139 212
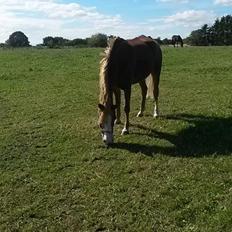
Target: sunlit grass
169 174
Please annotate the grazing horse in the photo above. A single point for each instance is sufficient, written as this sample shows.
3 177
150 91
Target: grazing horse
176 40
127 62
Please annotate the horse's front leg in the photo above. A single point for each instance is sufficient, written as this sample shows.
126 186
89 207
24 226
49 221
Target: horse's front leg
117 93
127 93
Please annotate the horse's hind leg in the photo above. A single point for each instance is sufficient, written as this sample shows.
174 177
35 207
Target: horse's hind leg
155 77
127 92
144 93
117 93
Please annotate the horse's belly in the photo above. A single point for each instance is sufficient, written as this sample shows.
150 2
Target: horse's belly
141 72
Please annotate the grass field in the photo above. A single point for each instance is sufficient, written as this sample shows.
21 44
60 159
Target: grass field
170 174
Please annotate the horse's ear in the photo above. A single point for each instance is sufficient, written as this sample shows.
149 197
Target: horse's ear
101 107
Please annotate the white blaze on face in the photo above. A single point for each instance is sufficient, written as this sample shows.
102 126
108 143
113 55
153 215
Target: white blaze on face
107 131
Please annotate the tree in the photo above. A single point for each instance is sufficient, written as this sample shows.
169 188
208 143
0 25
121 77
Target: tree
159 41
166 41
48 41
222 31
204 35
199 37
59 41
77 42
97 40
54 42
18 39
195 37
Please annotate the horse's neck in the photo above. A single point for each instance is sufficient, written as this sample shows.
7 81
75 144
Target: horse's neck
107 93
109 98
106 84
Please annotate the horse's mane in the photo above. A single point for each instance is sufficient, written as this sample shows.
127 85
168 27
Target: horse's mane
104 71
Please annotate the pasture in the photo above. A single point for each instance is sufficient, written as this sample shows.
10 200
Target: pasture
173 173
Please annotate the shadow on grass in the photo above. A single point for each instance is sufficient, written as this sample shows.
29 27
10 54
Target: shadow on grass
204 136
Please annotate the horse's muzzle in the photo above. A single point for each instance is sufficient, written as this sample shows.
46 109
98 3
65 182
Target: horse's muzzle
107 138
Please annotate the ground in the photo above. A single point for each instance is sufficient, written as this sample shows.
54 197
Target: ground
173 173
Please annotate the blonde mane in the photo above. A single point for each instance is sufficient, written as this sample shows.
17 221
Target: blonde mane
103 80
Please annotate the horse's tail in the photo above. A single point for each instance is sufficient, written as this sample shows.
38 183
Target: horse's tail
150 86
152 80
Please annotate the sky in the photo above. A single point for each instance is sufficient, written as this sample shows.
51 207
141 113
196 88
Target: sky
125 18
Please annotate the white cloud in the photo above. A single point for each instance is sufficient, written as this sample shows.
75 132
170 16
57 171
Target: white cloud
224 2
40 18
48 17
51 9
180 23
191 18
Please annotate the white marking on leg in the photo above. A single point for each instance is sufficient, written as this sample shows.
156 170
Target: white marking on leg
140 114
117 121
125 131
156 110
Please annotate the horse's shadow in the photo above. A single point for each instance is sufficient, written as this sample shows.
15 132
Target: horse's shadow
204 136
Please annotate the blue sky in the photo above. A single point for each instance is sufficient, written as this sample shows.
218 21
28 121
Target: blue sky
127 18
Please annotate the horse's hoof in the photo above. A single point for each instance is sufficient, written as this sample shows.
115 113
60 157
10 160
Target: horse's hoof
140 114
125 131
155 116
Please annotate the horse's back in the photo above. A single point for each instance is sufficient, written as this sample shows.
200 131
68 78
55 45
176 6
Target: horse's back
148 57
139 48
135 59
145 48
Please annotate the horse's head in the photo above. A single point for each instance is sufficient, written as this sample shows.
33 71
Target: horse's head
106 123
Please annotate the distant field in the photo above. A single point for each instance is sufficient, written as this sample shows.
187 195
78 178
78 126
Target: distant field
170 174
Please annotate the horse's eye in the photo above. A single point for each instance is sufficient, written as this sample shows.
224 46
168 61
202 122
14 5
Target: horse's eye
101 125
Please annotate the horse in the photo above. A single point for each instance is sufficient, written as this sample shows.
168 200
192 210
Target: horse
176 40
126 62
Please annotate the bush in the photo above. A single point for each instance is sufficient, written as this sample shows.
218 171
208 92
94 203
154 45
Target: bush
2 45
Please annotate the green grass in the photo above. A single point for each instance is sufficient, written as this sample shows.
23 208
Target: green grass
169 174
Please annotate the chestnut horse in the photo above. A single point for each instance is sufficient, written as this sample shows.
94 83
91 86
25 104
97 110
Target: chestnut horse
127 62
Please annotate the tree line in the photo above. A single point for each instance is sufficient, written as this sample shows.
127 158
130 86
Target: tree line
220 33
97 40
19 39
